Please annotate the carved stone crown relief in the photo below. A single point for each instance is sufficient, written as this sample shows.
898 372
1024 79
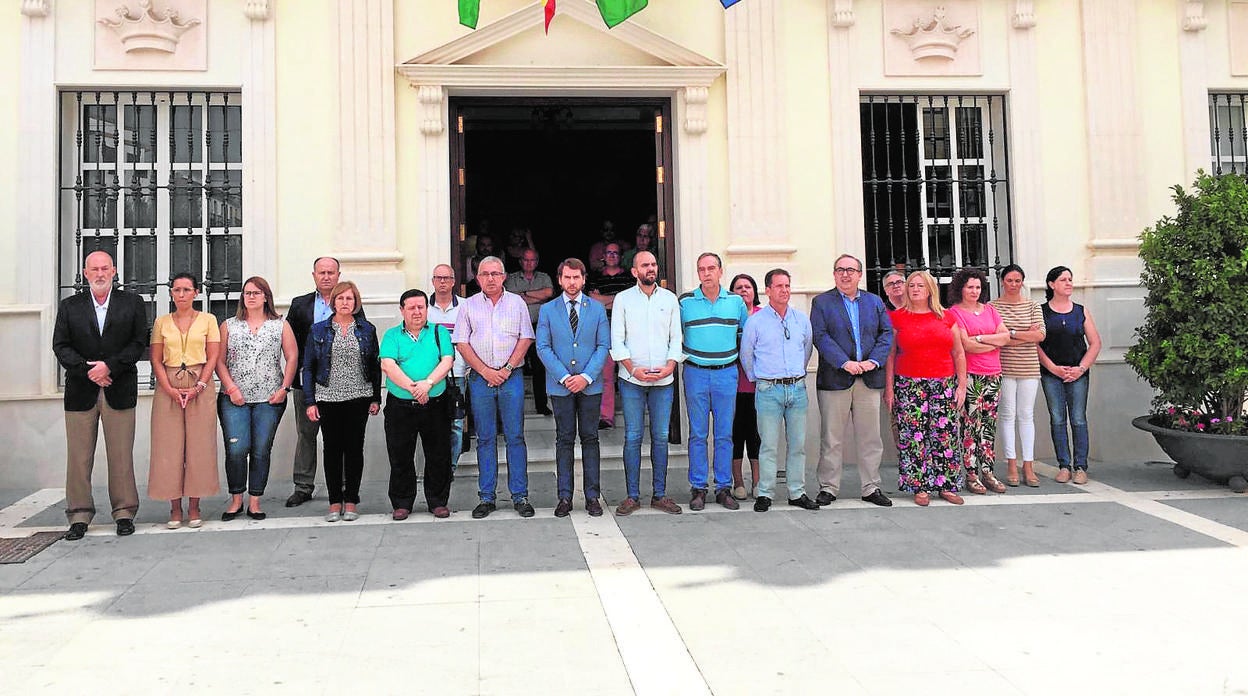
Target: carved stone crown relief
151 35
923 37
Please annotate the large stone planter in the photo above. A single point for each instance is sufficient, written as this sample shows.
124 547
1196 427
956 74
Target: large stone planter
1220 458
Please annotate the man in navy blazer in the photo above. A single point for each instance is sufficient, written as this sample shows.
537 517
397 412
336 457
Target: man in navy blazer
573 338
853 335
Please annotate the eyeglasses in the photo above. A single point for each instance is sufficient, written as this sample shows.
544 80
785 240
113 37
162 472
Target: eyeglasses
443 279
252 293
894 283
610 253
492 274
846 271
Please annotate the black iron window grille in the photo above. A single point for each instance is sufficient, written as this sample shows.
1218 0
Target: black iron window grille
155 178
1228 132
935 183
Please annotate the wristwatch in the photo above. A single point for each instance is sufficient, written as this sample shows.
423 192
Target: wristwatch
1013 333
977 339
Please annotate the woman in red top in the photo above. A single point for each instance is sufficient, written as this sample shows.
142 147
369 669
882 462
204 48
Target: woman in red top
924 388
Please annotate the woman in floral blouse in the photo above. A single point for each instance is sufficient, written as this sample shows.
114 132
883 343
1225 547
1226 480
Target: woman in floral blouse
924 388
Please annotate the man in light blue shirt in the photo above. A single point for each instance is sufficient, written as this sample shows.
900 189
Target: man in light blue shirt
776 345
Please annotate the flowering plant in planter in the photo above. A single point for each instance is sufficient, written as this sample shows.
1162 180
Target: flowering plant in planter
1193 346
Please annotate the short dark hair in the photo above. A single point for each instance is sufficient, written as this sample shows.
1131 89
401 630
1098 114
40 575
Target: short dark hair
848 256
1051 276
409 294
718 261
322 258
773 273
960 280
749 279
573 263
1010 268
187 276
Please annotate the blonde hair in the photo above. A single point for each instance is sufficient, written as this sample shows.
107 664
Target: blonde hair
343 287
933 297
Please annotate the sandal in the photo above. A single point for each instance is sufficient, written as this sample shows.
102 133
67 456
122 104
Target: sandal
974 486
922 499
992 483
1011 473
950 496
1029 475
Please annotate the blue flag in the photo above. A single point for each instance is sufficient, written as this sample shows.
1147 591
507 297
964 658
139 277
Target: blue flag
729 3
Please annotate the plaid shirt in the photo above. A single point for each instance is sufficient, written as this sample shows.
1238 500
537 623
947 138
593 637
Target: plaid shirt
493 329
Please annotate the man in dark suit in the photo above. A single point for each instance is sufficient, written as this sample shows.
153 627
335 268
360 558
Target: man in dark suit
99 336
306 310
573 338
853 335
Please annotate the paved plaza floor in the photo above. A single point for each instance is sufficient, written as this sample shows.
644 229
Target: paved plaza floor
1133 584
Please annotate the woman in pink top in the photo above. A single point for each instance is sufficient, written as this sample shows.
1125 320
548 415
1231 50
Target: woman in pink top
983 334
745 438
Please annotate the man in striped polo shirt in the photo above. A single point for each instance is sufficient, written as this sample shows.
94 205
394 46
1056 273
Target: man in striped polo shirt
711 319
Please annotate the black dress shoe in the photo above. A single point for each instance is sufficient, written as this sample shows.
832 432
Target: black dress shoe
228 515
604 424
564 508
125 527
482 510
877 497
825 498
804 503
545 411
256 515
724 497
593 507
298 498
522 506
762 504
76 531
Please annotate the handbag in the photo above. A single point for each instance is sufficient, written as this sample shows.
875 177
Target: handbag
458 407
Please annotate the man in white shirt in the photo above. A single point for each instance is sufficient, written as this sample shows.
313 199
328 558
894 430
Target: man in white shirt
646 344
444 309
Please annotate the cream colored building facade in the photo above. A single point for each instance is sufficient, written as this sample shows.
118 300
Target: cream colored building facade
342 110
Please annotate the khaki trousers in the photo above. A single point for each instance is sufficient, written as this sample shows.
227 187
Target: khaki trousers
81 433
858 408
184 441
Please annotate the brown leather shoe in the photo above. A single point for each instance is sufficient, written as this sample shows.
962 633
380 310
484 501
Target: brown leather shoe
665 504
593 507
724 497
697 501
441 512
564 508
950 496
992 482
1081 476
1063 476
628 507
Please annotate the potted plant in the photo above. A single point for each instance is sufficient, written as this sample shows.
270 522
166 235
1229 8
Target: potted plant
1193 346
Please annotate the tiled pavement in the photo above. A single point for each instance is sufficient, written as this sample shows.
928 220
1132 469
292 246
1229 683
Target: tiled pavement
1132 585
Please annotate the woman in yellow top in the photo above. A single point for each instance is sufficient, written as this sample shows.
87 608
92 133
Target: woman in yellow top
185 348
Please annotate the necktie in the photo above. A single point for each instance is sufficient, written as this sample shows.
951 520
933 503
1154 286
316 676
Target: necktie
572 317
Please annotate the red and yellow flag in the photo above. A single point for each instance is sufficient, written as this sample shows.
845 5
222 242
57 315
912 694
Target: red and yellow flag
549 7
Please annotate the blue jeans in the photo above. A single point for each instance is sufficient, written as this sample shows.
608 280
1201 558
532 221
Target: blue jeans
488 404
572 413
248 431
637 401
457 429
776 403
710 393
1068 399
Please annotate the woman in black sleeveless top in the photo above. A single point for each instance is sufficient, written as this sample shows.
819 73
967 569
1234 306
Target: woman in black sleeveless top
1067 352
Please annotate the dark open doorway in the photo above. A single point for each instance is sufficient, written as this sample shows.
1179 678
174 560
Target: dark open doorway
559 168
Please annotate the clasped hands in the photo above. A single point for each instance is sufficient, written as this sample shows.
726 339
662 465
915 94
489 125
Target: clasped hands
858 367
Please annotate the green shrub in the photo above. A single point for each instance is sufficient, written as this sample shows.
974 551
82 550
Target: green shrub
1193 346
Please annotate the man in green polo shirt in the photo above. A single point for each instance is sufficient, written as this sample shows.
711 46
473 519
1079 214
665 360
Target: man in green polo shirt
416 356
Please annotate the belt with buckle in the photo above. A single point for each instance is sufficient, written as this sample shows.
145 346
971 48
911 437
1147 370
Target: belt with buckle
783 380
713 367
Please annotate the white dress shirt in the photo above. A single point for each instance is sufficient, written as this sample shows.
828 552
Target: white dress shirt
646 330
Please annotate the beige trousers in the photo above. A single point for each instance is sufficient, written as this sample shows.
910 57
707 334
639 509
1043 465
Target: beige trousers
858 408
184 441
81 433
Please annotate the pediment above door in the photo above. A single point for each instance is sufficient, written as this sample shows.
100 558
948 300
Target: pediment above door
580 53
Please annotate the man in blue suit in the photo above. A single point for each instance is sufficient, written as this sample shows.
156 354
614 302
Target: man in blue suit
573 338
853 335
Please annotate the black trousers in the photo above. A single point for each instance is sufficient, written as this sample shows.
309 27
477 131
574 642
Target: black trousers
535 368
342 427
405 421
